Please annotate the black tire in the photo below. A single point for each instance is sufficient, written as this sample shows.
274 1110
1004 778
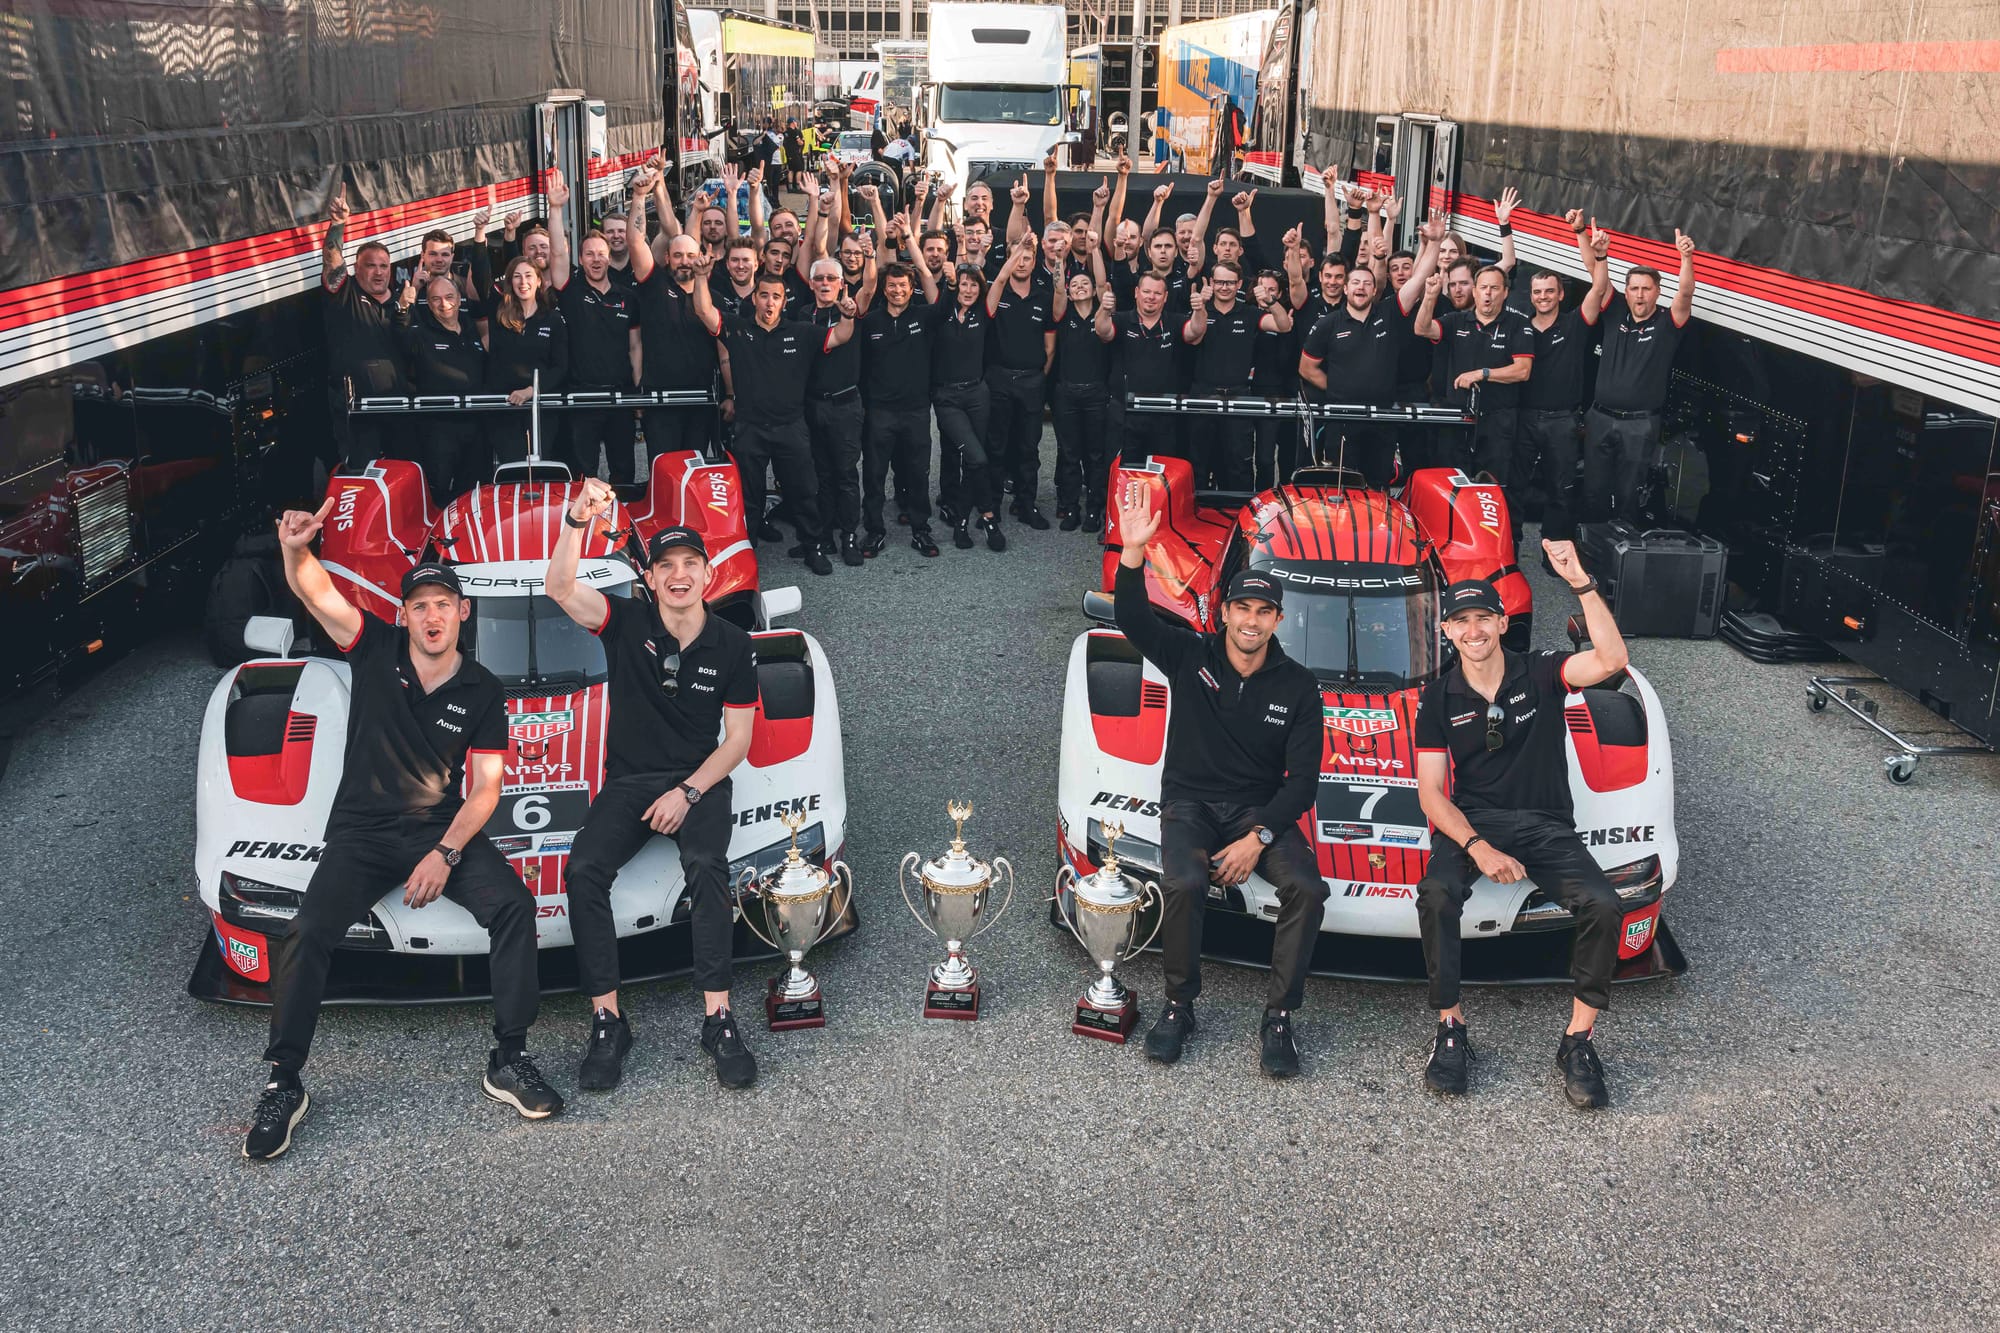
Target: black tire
1902 771
1816 702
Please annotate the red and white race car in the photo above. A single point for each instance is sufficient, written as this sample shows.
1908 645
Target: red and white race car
275 727
1362 574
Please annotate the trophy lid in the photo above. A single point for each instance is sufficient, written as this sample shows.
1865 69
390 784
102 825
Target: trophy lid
1108 888
796 877
957 868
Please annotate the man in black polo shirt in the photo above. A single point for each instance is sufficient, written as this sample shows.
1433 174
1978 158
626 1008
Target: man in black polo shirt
362 351
424 723
1021 339
771 357
1491 348
833 404
1493 777
1242 764
1223 330
1145 347
1552 399
678 677
1622 428
896 336
675 350
604 353
1350 358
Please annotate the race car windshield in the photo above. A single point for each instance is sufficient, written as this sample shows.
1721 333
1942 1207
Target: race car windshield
999 104
1383 639
855 141
529 642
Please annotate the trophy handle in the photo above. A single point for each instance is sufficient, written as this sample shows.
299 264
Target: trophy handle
903 883
1069 917
846 878
1000 863
1159 900
749 877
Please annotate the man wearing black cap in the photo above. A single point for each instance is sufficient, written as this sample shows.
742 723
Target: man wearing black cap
1242 764
424 722
678 677
1493 778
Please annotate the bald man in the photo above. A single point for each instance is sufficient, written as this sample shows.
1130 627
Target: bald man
676 349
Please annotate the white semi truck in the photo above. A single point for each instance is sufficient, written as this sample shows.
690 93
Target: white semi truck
994 102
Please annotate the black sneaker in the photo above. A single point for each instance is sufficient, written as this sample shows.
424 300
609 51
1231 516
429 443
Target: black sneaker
604 1062
817 562
947 515
735 1067
767 531
514 1080
961 535
1093 521
802 548
873 545
1449 1051
1280 1056
996 540
922 541
278 1113
1583 1072
850 551
1174 1026
1067 520
1033 517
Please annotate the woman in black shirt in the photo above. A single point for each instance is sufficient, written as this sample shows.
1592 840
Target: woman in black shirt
960 401
446 357
1081 403
525 335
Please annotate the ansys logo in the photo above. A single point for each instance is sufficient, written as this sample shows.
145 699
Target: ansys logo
1360 721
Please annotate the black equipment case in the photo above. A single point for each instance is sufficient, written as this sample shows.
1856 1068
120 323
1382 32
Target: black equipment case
1662 583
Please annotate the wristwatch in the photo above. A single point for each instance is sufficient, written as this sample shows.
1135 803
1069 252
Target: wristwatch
1264 835
693 793
450 854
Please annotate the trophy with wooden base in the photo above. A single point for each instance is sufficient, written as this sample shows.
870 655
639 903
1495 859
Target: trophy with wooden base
797 903
1105 910
955 889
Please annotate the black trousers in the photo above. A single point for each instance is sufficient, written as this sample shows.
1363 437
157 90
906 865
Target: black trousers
962 411
1363 446
1191 832
1014 428
1220 447
454 456
787 450
612 834
1275 454
899 436
672 430
1489 447
836 447
1550 439
354 872
509 433
614 430
1083 440
1555 858
357 441
1616 453
1135 435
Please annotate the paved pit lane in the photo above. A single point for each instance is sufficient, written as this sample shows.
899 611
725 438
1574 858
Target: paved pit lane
1803 1131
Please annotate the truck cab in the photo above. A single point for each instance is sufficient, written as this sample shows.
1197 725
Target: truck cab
995 102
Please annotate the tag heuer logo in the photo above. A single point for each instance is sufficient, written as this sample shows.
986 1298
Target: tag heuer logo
1360 721
243 955
531 727
1638 933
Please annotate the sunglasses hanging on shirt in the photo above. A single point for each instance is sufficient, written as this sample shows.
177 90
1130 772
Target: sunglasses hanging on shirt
1495 715
670 675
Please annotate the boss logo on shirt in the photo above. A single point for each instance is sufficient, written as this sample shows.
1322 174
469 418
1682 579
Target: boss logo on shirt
542 332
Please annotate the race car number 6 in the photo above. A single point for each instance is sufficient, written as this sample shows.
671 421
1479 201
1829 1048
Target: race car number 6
532 813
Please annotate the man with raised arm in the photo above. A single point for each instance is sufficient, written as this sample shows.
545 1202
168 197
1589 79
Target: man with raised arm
1622 428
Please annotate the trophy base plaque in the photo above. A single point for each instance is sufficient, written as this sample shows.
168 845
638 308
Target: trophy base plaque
785 1014
1107 1024
951 1001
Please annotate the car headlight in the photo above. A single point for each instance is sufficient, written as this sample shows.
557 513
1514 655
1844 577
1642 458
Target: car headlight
269 909
1136 853
765 861
1636 882
1636 879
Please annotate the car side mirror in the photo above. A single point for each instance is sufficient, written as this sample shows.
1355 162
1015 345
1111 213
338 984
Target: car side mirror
1577 636
1073 137
780 602
1098 607
269 636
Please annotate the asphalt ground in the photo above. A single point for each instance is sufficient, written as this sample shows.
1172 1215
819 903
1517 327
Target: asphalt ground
1802 1134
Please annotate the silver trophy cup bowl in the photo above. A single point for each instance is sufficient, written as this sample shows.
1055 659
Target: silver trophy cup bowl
800 905
950 899
1106 908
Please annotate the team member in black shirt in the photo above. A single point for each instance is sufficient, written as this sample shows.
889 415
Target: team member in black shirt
1145 346
1224 330
1021 306
1493 777
362 349
834 413
1552 399
1082 405
772 356
1274 373
678 677
1492 347
525 337
896 336
1351 358
675 350
424 723
602 317
446 358
1242 764
959 398
1622 428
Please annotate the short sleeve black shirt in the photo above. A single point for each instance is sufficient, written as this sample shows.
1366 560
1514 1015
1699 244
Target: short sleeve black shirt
958 351
600 332
1562 356
1019 326
1360 356
771 367
670 734
1082 358
1144 358
675 349
1638 358
1274 365
1414 356
896 356
1530 770
361 341
1466 344
839 369
1226 352
406 749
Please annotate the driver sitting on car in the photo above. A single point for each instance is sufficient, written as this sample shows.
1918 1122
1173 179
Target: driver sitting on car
1491 731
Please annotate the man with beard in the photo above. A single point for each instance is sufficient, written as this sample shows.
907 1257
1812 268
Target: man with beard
604 356
1622 428
1493 778
676 351
420 775
896 336
1552 402
362 350
1350 358
1145 349
1492 347
1224 330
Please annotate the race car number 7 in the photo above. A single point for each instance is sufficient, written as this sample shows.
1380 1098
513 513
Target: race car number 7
1374 798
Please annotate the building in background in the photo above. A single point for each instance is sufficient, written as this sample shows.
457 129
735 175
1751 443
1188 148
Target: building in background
849 29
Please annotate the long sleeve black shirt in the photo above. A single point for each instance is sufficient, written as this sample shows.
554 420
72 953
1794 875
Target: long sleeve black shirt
1242 740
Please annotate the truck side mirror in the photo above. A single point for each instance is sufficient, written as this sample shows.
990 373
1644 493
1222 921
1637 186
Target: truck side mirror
268 636
1098 607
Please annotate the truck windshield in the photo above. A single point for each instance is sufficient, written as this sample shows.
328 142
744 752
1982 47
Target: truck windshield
998 104
1386 640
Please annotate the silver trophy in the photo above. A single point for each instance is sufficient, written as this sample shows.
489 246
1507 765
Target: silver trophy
798 906
955 888
1105 909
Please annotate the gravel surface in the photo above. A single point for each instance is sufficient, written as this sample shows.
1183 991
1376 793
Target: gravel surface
1802 1134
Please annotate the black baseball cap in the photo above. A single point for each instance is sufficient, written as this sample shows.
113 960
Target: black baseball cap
1472 595
432 571
666 539
1253 583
